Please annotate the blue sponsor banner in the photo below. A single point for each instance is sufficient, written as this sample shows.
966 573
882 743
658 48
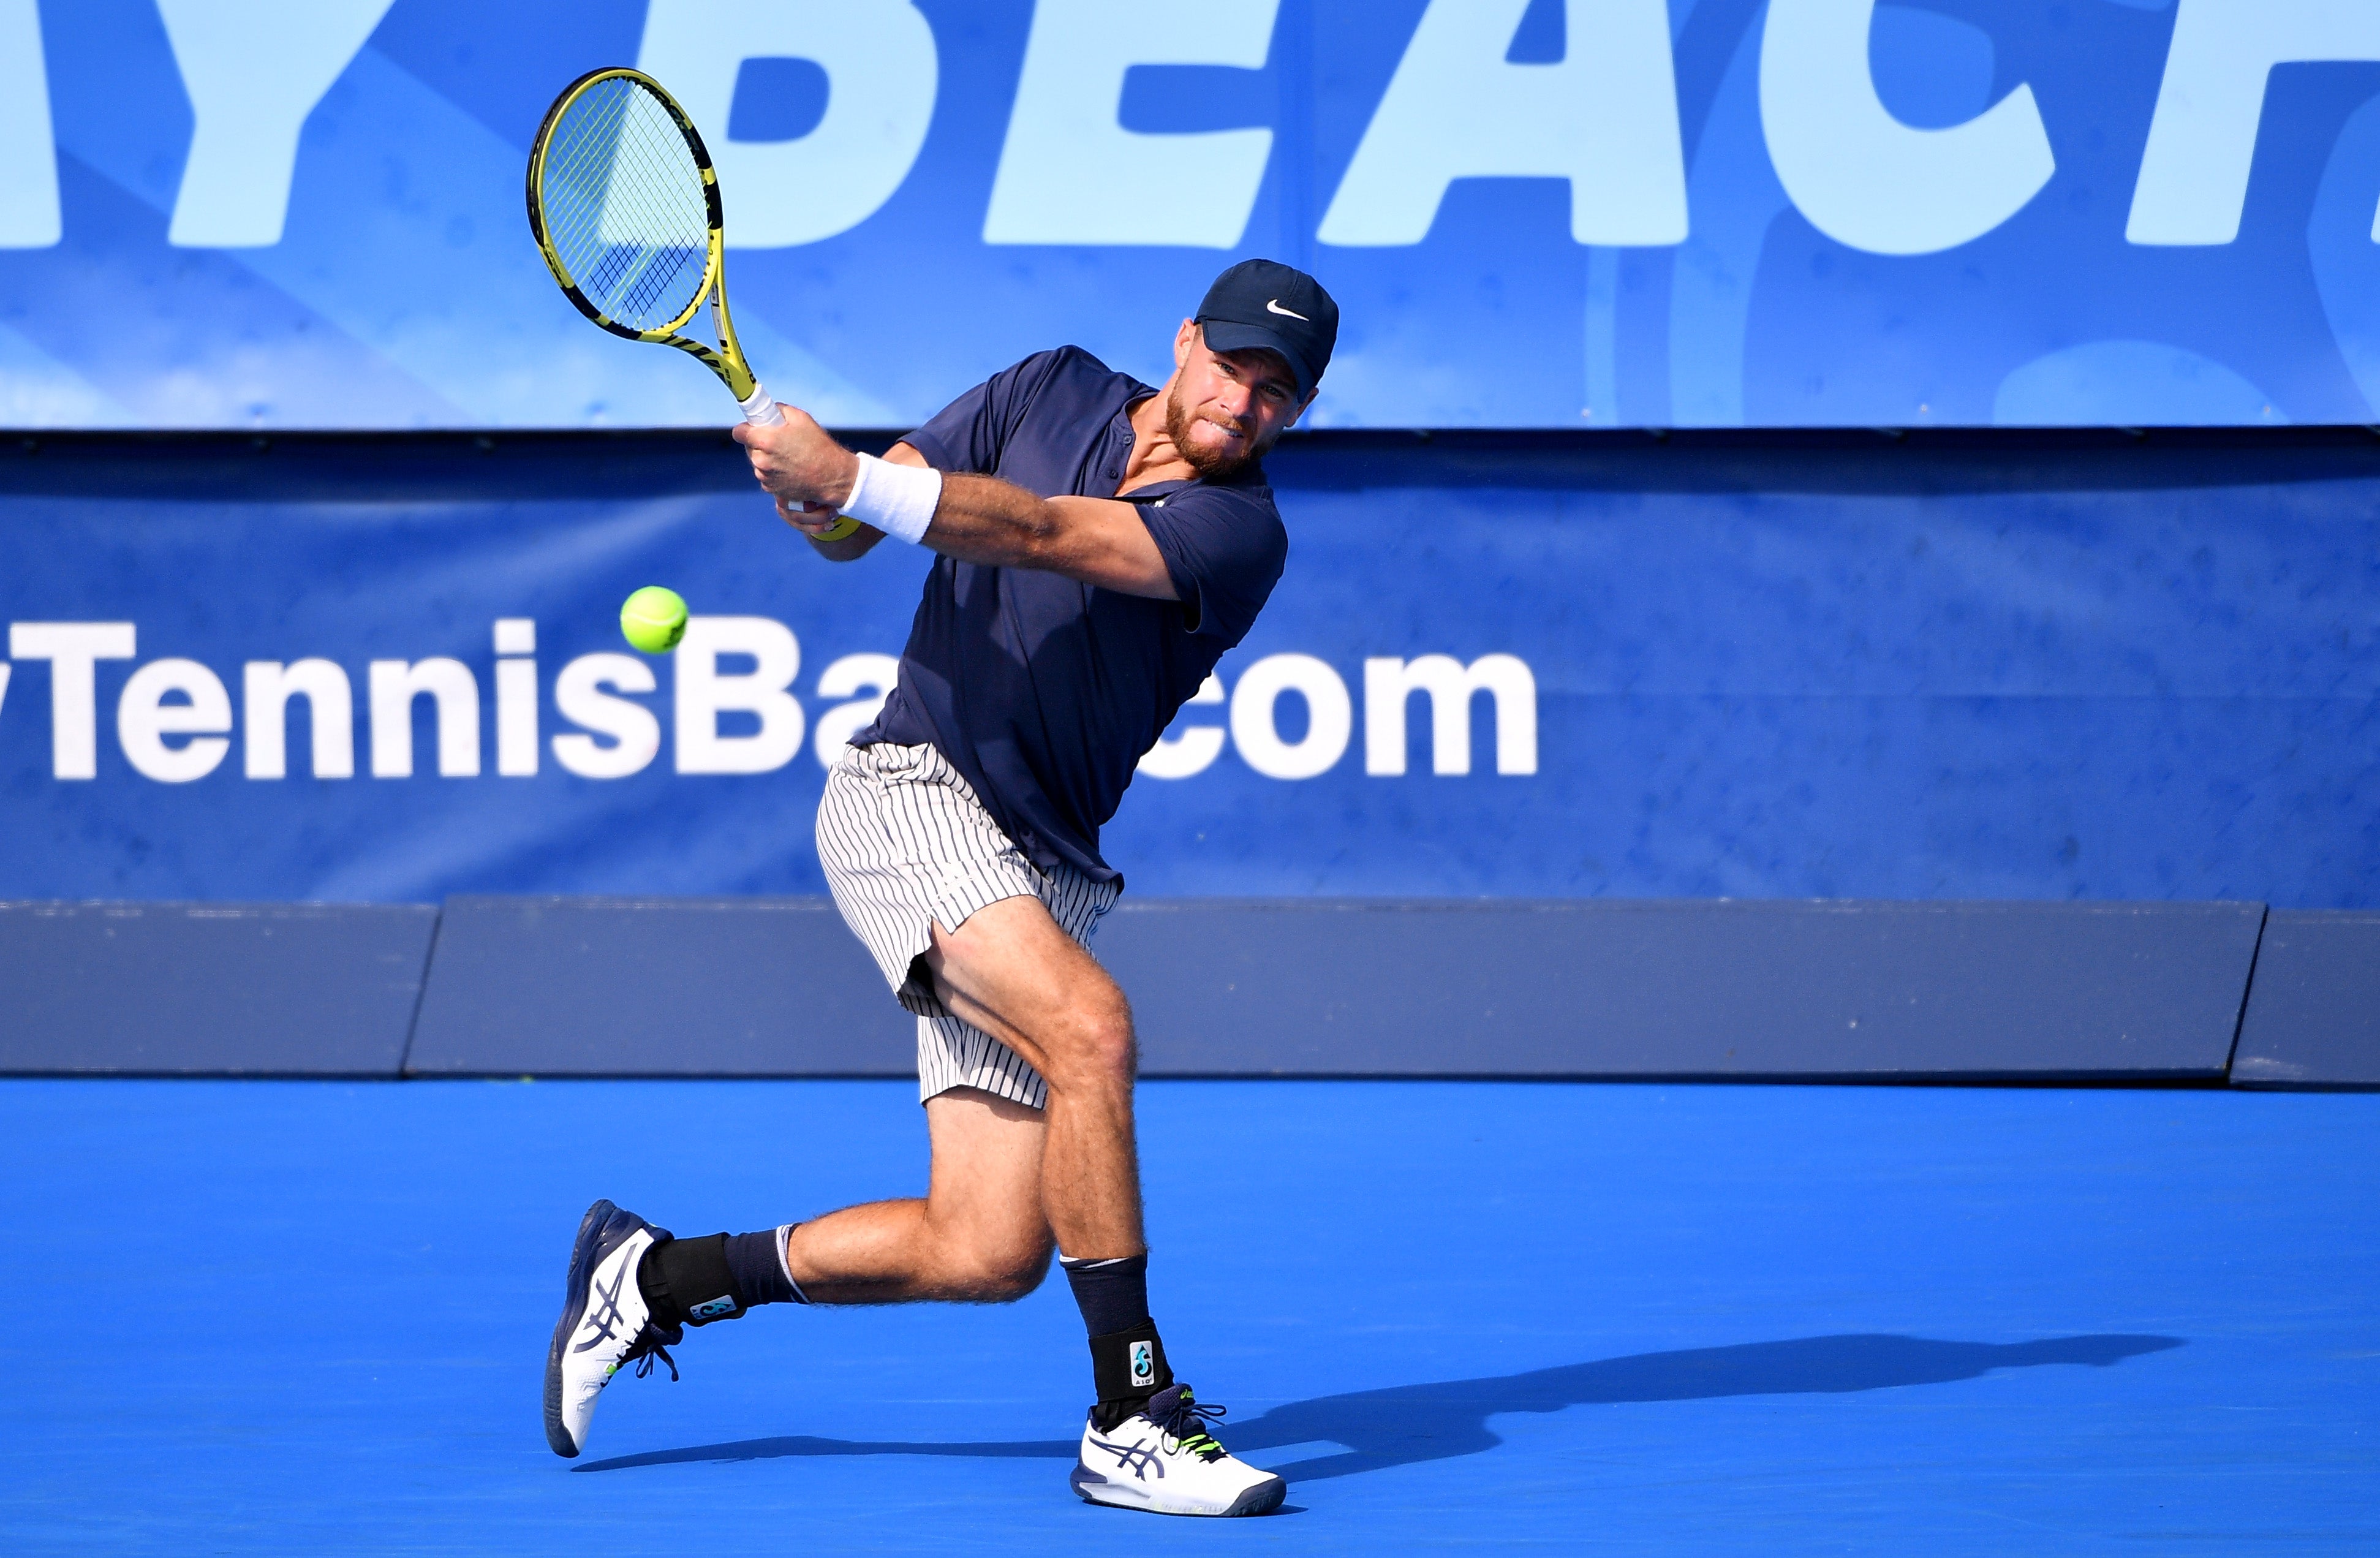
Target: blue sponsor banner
1968 665
1547 213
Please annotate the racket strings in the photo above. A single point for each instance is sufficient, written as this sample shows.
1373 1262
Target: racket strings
650 221
647 232
624 207
666 193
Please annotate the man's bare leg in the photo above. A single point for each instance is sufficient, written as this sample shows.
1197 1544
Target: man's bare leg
1013 972
1010 971
979 1233
1004 1178
978 1236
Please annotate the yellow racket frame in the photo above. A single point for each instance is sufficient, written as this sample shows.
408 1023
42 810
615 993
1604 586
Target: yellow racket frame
728 360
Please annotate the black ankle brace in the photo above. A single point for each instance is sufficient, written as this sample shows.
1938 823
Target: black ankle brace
686 1282
1128 1367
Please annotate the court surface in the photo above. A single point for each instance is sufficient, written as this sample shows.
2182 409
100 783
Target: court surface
257 1317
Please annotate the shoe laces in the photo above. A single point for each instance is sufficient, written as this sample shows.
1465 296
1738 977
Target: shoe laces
652 1343
1186 1421
652 1340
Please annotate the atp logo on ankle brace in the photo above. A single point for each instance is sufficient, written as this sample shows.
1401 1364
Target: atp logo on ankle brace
1144 1365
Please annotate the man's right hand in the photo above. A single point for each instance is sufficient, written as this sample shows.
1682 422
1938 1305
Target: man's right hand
799 462
858 543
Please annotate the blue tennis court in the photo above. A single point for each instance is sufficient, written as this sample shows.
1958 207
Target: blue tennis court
269 1317
1733 651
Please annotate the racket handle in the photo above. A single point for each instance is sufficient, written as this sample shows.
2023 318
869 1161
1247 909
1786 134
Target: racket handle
762 409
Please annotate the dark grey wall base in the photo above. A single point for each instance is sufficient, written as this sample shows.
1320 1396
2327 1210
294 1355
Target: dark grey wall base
1719 989
614 987
1356 988
2314 1017
218 989
776 987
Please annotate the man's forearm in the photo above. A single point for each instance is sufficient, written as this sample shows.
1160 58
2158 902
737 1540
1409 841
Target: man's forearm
984 520
975 519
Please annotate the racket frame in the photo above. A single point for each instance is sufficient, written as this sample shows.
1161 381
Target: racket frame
728 360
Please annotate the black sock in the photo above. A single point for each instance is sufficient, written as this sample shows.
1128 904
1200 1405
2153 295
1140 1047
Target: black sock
718 1276
1112 1295
758 1263
1128 1357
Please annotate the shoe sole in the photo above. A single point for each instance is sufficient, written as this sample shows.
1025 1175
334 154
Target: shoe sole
584 1257
1262 1499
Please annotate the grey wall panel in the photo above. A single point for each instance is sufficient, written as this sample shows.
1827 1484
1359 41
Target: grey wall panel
778 987
278 989
1713 989
2313 1012
723 987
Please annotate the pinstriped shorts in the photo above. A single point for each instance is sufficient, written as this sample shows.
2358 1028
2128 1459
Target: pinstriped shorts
906 846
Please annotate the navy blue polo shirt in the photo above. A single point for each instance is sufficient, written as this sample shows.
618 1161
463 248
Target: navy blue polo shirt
1046 692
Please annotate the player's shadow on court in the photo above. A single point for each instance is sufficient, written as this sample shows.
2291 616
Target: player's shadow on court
1403 1424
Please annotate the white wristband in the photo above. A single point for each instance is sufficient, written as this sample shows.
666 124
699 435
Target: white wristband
897 499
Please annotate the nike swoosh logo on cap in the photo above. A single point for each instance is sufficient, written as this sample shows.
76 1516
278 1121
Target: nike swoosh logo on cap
1272 306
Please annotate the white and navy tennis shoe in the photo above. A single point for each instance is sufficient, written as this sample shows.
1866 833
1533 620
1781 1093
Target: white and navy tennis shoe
1163 1459
604 1322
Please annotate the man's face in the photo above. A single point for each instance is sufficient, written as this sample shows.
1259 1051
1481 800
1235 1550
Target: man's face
1226 408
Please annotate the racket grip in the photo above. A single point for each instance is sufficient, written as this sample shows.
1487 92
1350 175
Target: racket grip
760 411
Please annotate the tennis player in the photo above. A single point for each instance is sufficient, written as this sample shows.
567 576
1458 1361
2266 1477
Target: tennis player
1099 544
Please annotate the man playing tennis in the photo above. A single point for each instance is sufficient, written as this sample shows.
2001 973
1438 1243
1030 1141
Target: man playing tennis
1100 544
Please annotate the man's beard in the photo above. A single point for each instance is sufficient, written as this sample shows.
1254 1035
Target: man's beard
1211 464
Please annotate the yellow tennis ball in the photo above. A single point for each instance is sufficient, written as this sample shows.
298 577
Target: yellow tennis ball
653 619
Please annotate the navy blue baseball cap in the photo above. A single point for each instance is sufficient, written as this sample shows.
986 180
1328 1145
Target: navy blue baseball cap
1262 303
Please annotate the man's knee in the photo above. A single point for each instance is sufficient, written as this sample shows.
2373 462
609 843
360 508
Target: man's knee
1091 1043
999 1273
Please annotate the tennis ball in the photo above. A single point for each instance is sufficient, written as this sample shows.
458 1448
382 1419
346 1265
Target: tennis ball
653 619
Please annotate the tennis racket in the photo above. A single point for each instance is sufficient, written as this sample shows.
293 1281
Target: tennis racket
624 207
